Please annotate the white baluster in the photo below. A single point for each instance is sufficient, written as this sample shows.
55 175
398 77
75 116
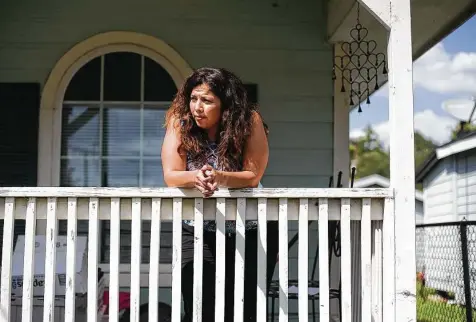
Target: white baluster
262 260
283 260
114 259
93 235
240 258
154 260
7 251
303 257
50 262
377 267
29 260
136 258
346 279
220 261
324 260
365 244
70 304
198 261
177 260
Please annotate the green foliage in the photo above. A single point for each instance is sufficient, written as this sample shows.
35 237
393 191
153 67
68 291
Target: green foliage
423 148
431 308
467 127
371 157
373 162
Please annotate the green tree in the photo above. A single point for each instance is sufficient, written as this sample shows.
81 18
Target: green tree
466 127
373 162
370 157
423 148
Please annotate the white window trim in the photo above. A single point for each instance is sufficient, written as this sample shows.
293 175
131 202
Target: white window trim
49 146
51 105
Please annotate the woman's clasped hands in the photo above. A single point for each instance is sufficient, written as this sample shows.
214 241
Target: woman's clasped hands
206 180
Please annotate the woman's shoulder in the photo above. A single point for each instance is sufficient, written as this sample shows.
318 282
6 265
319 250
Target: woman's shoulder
256 119
257 122
173 122
256 116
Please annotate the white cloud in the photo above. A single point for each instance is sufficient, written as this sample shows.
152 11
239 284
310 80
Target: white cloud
435 127
442 72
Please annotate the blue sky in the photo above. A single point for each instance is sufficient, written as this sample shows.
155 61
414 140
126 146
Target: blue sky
446 71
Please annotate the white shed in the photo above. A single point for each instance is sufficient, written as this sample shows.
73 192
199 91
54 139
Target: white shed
449 181
444 243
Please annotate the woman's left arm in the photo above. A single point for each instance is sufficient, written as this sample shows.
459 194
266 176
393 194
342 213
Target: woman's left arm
255 160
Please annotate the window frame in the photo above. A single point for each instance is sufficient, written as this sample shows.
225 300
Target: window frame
51 107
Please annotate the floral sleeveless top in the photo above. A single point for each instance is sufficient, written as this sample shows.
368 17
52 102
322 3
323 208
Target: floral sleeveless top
212 159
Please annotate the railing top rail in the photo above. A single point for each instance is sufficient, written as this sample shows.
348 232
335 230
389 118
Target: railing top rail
87 192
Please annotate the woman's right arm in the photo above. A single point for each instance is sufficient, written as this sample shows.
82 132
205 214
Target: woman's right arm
174 164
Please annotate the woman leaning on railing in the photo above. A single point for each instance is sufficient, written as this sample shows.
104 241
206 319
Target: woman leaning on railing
216 138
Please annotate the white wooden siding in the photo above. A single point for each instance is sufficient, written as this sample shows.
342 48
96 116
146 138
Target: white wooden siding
419 212
466 185
438 193
450 189
282 49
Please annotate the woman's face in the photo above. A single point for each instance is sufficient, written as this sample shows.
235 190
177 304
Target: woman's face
205 108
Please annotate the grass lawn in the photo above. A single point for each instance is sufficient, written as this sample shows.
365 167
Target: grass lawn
431 308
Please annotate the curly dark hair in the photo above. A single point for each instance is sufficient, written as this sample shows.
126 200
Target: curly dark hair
236 121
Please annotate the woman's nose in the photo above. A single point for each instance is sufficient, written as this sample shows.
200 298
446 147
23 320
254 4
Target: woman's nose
199 106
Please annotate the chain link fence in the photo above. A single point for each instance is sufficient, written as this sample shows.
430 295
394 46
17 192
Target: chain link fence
446 272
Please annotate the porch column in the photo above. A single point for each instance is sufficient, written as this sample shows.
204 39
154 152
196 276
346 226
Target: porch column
341 128
395 15
341 162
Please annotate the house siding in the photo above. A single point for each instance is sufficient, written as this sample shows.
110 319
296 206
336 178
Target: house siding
438 189
419 212
450 189
282 49
466 186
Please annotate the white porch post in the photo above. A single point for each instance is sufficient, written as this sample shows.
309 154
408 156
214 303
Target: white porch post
396 16
402 159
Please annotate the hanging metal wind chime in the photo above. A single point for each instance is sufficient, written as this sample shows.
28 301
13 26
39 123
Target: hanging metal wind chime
359 65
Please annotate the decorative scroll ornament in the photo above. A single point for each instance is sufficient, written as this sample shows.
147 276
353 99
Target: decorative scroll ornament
359 65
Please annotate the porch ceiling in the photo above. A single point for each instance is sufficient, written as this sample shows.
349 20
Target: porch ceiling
432 20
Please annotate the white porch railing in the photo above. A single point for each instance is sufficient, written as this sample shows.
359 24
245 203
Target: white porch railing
372 208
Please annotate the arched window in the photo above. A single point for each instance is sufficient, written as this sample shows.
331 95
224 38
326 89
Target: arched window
112 132
112 122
